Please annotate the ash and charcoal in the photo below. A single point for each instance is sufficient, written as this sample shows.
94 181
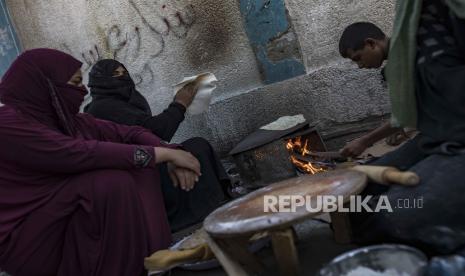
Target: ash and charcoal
238 187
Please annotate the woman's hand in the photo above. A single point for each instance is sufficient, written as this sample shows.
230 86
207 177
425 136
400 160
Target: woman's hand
186 160
186 95
179 158
183 178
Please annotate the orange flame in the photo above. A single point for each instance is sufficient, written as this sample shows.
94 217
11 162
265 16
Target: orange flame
290 145
305 150
295 146
306 166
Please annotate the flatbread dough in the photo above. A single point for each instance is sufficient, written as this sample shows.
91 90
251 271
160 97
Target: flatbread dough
285 122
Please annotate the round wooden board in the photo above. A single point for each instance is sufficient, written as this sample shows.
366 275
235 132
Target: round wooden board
246 215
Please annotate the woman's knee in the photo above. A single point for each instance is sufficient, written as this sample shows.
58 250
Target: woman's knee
112 183
197 145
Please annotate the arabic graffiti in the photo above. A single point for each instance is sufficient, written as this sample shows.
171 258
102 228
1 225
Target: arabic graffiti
126 43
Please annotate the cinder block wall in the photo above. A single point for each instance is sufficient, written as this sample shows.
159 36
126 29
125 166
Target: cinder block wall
162 41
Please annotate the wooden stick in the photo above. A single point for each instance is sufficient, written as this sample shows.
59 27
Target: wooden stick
341 227
238 249
285 252
231 266
327 154
314 162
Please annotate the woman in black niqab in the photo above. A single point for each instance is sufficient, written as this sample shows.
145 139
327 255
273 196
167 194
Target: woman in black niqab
115 98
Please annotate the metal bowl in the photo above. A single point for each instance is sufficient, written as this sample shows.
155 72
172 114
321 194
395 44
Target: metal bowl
396 259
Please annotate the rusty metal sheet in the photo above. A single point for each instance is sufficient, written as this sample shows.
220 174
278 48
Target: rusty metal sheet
265 165
262 137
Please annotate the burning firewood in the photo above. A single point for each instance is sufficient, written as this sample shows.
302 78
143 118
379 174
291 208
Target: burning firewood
323 164
300 155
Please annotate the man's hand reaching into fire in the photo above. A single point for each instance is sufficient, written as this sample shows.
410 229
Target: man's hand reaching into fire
355 148
358 146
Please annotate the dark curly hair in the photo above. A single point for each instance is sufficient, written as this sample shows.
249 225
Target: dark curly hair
354 36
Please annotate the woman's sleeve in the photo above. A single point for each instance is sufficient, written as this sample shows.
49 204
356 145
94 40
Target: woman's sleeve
163 125
167 123
114 132
38 148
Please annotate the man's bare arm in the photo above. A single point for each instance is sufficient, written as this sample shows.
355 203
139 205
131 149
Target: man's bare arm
359 145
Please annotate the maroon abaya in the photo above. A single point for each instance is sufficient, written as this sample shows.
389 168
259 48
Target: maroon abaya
74 200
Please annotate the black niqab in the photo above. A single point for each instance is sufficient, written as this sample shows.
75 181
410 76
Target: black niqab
104 86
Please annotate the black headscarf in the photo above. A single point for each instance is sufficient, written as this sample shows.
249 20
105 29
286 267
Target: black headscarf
103 86
116 99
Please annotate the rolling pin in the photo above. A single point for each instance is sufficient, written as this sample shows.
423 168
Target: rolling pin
388 175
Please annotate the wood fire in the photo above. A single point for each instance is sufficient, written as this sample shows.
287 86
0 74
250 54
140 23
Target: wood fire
298 152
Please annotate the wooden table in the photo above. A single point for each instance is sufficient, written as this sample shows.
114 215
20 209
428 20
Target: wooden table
231 226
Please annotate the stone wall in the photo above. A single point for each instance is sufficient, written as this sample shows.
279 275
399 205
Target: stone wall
161 41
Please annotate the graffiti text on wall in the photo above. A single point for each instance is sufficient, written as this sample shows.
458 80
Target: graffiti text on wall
136 46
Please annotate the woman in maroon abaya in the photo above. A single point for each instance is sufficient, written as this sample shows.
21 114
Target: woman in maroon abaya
78 196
